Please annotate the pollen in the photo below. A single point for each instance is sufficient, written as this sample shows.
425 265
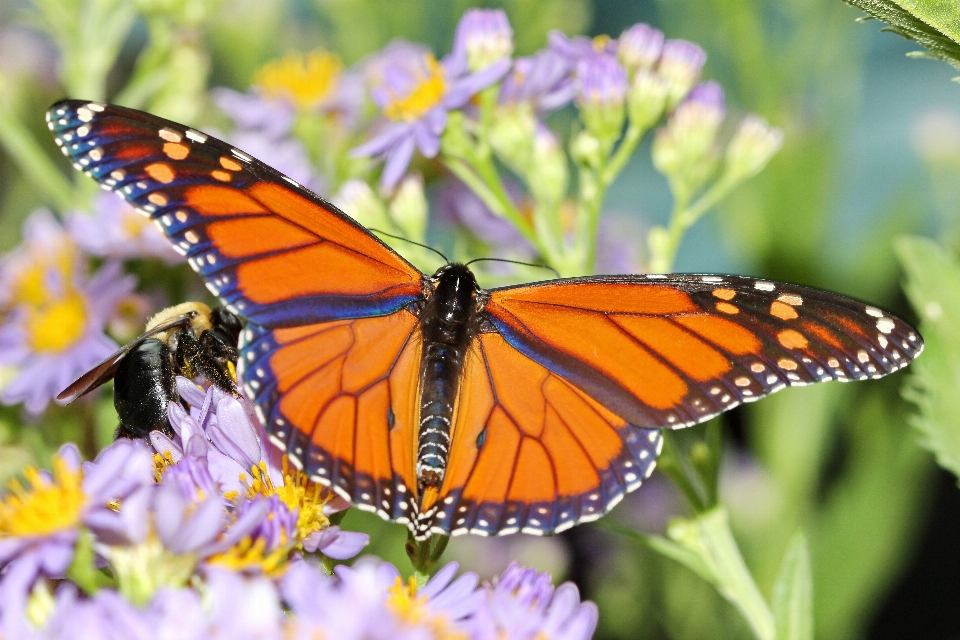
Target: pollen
44 506
56 326
252 553
405 602
298 493
305 79
426 94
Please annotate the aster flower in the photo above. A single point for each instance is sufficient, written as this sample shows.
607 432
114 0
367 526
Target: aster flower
483 37
752 146
601 93
315 81
52 315
115 230
522 604
684 150
415 92
680 65
221 448
579 47
542 80
380 603
40 521
639 47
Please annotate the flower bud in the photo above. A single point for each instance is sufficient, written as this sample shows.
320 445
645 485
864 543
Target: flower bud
639 47
601 93
752 147
680 64
684 150
647 98
409 208
455 141
548 174
586 150
511 135
484 36
358 201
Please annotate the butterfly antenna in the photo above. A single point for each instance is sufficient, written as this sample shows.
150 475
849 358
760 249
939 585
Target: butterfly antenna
526 264
395 237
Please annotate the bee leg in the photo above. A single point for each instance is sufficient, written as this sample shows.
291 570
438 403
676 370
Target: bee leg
217 360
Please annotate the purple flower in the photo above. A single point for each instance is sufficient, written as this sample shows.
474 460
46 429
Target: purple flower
116 230
379 603
542 80
639 47
40 522
524 604
263 129
708 95
600 81
680 64
414 93
574 49
52 316
221 442
483 37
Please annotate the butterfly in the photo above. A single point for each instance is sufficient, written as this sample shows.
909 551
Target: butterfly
436 403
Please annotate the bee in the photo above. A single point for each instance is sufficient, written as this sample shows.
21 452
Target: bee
189 340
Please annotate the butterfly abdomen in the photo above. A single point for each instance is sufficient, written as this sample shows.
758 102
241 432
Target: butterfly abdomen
448 323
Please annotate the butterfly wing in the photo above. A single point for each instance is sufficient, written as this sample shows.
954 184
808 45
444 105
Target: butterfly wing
670 351
271 250
531 452
330 354
340 398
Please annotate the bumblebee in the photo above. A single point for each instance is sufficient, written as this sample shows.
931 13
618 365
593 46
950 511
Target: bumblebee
189 340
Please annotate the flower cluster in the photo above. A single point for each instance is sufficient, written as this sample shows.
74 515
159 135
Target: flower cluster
205 534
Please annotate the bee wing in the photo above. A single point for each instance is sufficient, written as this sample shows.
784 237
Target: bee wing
108 368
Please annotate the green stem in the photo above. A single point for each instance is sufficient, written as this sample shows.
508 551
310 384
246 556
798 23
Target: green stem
35 164
623 153
683 217
425 555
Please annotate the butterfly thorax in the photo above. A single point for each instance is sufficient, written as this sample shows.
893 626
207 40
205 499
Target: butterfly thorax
448 323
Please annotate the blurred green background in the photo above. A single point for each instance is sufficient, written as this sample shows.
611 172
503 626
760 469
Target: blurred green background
871 152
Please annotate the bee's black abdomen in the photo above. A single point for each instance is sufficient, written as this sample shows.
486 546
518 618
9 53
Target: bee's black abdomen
143 385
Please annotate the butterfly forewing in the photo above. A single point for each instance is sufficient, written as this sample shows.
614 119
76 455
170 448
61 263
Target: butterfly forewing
272 251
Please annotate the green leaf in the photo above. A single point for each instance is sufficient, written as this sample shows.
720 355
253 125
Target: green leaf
933 287
934 24
793 593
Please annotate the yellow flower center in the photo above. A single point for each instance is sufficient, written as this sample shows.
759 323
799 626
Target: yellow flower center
31 285
43 506
58 325
412 609
251 553
426 94
298 493
306 79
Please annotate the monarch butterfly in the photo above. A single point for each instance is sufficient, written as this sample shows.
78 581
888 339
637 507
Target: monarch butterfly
436 403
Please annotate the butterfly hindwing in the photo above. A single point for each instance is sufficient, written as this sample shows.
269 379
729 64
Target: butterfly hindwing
669 351
339 398
271 250
530 452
